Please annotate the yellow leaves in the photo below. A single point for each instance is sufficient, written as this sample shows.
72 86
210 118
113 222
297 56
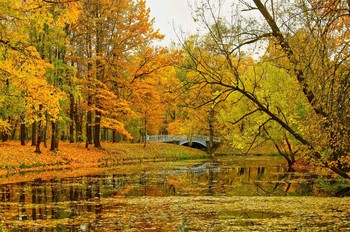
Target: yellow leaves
5 127
116 126
146 101
26 73
40 94
78 160
71 13
176 127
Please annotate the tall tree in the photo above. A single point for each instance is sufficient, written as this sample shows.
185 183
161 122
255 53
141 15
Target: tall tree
113 32
306 47
24 64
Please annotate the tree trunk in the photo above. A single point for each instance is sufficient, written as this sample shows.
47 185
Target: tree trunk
39 133
211 130
89 98
71 115
39 139
34 134
53 136
13 134
78 117
97 129
99 76
307 90
105 136
88 124
114 136
145 134
23 134
5 137
45 137
45 129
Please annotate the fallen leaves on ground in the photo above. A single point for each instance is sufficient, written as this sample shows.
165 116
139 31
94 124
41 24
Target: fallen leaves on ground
16 159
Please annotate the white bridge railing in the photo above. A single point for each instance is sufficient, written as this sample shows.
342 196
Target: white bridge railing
173 138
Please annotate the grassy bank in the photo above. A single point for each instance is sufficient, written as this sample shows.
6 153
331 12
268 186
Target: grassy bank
16 159
263 149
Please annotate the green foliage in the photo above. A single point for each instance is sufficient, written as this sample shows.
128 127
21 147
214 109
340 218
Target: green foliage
244 123
331 186
22 165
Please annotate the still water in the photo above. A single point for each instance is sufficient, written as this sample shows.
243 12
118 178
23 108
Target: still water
154 196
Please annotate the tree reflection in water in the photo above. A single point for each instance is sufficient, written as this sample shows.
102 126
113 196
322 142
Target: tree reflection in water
59 201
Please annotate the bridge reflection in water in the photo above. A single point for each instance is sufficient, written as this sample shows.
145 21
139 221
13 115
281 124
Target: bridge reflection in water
68 204
198 141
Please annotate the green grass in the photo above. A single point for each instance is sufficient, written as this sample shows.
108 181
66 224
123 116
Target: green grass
155 151
263 149
24 165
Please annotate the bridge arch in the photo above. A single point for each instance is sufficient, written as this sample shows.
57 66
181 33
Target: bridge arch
195 141
194 144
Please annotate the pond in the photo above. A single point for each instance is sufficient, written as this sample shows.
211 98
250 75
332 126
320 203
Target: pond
234 194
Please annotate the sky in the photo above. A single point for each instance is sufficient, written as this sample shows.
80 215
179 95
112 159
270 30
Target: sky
171 16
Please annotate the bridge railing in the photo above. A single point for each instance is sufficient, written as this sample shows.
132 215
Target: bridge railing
171 138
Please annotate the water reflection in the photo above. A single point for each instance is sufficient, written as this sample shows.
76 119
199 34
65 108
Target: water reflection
77 198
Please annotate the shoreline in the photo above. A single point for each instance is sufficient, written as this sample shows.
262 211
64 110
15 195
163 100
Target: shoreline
20 163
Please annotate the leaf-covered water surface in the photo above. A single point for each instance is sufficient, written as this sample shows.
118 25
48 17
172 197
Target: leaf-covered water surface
232 195
204 213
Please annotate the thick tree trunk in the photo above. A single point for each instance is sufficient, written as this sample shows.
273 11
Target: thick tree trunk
23 134
5 137
54 144
39 139
97 129
34 134
45 137
114 136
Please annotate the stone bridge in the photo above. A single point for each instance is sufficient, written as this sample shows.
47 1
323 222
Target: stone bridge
197 141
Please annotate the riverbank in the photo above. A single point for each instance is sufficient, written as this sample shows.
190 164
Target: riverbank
16 159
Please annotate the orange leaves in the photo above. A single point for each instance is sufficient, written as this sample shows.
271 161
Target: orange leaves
177 127
71 13
75 160
15 158
114 37
146 102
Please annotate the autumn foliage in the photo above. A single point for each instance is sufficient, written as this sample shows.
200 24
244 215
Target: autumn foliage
89 72
77 70
74 160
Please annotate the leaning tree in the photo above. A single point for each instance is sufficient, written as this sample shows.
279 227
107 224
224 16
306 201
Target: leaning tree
306 39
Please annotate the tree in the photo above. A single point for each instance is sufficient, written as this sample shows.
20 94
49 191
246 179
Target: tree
318 64
246 127
25 28
147 104
111 33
